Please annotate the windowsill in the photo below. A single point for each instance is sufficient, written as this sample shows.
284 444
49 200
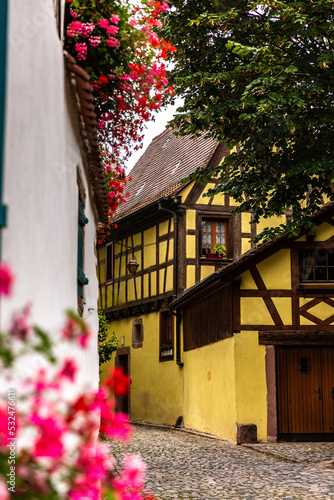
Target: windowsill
313 288
223 261
168 357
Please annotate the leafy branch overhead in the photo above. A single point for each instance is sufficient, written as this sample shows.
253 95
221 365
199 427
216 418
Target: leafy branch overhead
259 76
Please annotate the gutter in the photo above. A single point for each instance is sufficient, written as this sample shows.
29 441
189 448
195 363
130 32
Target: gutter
3 63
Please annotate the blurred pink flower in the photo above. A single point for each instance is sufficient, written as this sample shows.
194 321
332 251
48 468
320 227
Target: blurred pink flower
114 19
49 443
6 279
20 326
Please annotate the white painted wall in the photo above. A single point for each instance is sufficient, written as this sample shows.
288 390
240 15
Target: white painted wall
40 184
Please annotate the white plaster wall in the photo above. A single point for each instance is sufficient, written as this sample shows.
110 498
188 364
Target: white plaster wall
40 184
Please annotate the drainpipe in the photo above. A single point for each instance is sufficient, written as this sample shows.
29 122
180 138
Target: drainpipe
175 284
3 59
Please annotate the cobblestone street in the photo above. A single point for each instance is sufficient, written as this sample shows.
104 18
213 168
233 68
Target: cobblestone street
186 466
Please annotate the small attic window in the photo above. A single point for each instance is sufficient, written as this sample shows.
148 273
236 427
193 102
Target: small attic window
166 142
176 167
140 189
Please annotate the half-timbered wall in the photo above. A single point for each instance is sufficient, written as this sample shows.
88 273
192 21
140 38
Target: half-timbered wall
274 298
153 250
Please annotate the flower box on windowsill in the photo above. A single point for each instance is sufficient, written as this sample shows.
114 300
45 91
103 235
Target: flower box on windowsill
214 256
168 352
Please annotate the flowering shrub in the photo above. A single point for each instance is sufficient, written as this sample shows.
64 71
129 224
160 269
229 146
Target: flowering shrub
48 442
115 42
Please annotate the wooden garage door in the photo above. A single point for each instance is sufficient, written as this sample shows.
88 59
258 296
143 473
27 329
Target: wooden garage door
305 391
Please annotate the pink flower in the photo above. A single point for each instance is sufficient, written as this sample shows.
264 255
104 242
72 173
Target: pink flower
20 326
112 42
6 280
132 479
87 29
49 443
103 23
75 28
4 495
111 30
76 330
133 21
81 49
94 41
69 369
154 39
114 19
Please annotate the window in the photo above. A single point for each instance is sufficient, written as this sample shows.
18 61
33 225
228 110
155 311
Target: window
82 221
316 265
214 232
137 333
166 335
109 262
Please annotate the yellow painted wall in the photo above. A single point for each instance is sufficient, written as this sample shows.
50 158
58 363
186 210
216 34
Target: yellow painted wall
250 382
191 219
225 384
276 270
206 271
156 392
324 232
209 389
191 246
253 311
245 223
273 221
184 193
190 276
204 200
150 247
245 245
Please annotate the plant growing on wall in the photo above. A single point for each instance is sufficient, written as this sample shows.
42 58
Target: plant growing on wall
106 345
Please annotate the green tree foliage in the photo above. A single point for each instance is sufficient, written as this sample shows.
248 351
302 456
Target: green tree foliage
260 73
106 345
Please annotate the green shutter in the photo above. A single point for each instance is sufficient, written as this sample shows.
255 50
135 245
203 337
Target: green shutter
3 59
82 221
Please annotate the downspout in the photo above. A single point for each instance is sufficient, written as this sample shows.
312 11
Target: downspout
3 60
178 338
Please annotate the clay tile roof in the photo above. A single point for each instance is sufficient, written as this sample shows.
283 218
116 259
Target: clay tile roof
83 101
166 161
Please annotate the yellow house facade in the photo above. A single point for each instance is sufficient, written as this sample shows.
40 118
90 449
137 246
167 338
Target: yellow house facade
192 322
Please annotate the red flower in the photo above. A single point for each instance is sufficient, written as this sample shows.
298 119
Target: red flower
119 382
103 79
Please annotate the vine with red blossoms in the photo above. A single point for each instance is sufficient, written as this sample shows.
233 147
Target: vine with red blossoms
118 45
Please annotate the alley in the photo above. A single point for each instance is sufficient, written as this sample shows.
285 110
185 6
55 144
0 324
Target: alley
185 466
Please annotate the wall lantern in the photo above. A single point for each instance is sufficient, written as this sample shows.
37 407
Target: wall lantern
132 265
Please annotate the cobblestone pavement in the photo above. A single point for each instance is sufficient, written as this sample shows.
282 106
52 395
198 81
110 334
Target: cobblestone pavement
192 467
312 453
